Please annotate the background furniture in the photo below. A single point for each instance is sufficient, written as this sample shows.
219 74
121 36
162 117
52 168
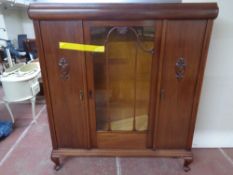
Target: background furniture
30 48
8 109
21 39
139 97
20 83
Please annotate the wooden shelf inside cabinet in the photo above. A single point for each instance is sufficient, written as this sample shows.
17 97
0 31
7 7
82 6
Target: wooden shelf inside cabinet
139 95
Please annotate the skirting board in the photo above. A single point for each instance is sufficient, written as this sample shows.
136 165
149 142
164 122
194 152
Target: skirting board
213 139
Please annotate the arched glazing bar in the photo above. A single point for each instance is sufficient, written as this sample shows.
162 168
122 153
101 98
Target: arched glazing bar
138 45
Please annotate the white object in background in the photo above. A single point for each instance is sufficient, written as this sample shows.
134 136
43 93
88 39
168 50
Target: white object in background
22 84
9 59
22 53
9 110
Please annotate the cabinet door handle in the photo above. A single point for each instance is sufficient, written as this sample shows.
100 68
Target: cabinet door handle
81 95
90 94
162 93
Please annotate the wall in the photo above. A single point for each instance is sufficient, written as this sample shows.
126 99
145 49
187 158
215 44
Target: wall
214 127
17 22
27 24
3 34
13 23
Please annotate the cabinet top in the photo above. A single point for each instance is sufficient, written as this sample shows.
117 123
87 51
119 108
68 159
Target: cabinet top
46 11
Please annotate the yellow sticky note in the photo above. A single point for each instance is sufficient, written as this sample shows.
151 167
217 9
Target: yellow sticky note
81 47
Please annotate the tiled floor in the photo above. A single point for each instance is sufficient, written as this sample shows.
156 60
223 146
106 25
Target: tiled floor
27 152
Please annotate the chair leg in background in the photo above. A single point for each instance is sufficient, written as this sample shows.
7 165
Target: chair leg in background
33 102
9 110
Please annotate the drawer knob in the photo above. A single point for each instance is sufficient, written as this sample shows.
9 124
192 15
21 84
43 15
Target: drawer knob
81 95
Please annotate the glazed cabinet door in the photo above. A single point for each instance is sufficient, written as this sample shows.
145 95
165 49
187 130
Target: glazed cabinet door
119 81
65 74
181 55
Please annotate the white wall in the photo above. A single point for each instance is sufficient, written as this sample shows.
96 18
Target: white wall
27 24
17 22
214 127
3 34
13 23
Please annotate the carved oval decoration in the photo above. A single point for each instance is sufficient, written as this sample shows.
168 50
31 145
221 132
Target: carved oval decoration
180 68
64 68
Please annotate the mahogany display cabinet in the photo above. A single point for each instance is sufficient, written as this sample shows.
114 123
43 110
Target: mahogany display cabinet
122 79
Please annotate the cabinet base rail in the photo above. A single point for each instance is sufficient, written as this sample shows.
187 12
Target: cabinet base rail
184 154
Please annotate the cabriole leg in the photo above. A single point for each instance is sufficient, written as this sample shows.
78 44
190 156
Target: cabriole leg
9 110
56 161
187 162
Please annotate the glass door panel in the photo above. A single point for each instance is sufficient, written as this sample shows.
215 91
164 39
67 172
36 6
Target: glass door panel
122 76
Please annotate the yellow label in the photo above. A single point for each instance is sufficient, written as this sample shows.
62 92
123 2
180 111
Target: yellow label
81 47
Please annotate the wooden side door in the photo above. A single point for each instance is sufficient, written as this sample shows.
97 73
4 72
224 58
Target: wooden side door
181 58
66 81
